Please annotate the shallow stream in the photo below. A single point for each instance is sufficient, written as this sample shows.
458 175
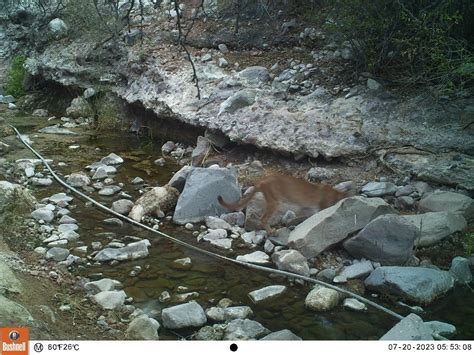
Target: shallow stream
210 278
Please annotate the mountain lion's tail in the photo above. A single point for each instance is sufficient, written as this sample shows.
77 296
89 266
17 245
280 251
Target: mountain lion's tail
240 204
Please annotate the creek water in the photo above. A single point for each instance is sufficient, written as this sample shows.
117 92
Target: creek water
211 279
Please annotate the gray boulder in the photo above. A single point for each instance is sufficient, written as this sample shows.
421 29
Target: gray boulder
184 315
244 329
143 328
14 313
110 299
237 101
8 99
112 159
441 328
415 284
387 239
461 270
321 231
199 197
292 261
132 251
60 198
448 201
179 179
8 280
434 226
284 334
409 328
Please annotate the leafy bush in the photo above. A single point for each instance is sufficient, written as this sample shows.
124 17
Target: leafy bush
15 78
409 41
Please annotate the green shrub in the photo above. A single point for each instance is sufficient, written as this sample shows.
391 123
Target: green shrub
15 77
409 41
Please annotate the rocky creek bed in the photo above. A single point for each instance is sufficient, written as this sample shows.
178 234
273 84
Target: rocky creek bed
405 239
406 250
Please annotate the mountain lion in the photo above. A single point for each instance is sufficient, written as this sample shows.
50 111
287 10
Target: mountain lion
284 188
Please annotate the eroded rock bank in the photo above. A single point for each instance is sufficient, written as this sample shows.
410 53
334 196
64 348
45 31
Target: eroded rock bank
288 103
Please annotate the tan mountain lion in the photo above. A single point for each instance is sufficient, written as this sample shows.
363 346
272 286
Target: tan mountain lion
280 188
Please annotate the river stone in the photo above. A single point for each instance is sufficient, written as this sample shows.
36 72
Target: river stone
257 257
225 243
156 201
60 197
216 332
376 189
409 328
78 180
199 153
12 313
113 222
143 328
237 101
67 220
387 239
57 254
110 299
216 223
41 181
69 235
184 315
220 314
461 270
8 280
434 226
441 328
109 190
448 201
292 261
101 285
322 299
357 270
122 206
320 231
215 234
284 334
253 237
266 293
244 329
199 197
354 304
130 252
43 213
65 228
234 218
100 173
111 159
416 284
8 99
255 74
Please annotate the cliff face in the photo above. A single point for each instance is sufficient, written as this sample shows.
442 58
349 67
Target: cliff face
291 107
